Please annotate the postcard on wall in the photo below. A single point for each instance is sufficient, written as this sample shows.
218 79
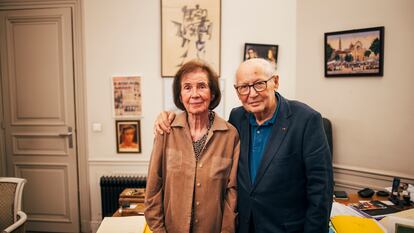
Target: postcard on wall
190 29
126 96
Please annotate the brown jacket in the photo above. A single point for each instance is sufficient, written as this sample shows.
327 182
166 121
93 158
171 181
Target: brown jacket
176 181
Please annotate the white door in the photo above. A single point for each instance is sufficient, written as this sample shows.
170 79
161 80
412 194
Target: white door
39 114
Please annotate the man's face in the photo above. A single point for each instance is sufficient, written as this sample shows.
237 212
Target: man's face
256 102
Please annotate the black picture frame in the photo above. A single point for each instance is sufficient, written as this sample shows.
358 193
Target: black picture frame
266 51
121 128
354 53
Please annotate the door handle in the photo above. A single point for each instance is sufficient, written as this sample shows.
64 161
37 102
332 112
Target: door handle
69 134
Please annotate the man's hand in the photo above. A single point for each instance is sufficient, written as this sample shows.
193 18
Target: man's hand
163 122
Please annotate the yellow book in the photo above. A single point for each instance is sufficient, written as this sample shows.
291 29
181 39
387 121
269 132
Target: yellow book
146 229
353 224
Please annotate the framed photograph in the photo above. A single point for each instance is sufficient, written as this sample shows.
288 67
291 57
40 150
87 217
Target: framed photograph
126 92
128 136
357 52
266 51
190 29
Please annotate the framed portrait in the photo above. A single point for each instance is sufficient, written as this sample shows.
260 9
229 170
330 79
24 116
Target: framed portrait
190 29
126 92
266 51
128 136
358 52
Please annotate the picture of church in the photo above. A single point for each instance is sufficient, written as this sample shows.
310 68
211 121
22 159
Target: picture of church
355 53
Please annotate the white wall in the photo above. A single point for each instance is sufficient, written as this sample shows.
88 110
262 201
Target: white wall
123 37
373 118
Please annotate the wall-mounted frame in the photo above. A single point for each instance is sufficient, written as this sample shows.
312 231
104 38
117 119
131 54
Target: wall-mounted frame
358 52
190 29
128 136
126 96
266 51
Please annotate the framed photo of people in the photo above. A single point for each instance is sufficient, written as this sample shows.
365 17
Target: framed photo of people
126 92
266 51
358 52
128 136
190 29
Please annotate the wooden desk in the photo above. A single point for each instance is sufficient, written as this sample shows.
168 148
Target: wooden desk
354 198
138 210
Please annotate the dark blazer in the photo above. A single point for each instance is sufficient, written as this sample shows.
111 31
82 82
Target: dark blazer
294 184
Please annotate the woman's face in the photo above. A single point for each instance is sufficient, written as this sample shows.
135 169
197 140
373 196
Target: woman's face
195 92
270 53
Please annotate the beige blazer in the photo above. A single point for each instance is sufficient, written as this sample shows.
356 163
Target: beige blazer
176 181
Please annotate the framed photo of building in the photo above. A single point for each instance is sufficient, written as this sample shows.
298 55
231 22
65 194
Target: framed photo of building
128 136
266 51
358 52
126 92
190 29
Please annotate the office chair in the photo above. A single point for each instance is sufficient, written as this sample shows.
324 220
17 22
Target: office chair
12 218
327 126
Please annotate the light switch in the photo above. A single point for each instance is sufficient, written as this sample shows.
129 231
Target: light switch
97 127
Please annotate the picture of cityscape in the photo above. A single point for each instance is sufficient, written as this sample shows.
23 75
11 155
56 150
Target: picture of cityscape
354 53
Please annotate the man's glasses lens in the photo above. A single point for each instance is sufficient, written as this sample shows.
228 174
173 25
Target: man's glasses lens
258 86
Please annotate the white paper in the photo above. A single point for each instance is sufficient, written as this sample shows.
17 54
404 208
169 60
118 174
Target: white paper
131 224
341 209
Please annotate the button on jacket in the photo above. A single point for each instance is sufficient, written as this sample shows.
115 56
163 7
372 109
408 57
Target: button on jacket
177 184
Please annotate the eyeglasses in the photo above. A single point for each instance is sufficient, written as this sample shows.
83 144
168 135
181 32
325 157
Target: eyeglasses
258 86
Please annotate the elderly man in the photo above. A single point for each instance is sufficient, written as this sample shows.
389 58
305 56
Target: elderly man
285 170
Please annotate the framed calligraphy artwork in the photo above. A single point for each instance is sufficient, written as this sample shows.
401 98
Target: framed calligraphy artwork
190 29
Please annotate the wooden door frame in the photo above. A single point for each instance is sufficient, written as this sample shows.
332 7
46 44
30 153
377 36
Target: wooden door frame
76 7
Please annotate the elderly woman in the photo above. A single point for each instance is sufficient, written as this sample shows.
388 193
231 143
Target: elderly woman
191 184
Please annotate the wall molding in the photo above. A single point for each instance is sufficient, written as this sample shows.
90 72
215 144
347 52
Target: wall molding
385 173
117 162
356 178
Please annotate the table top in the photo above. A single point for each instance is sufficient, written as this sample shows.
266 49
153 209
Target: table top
138 209
354 198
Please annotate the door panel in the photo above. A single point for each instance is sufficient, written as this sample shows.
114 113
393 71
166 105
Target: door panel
38 100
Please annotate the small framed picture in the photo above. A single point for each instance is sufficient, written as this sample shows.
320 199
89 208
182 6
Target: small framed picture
266 51
358 52
128 136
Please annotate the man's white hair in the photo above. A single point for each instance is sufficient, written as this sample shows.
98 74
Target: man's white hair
267 68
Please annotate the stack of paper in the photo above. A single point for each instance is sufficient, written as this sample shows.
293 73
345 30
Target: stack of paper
133 224
353 224
341 209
